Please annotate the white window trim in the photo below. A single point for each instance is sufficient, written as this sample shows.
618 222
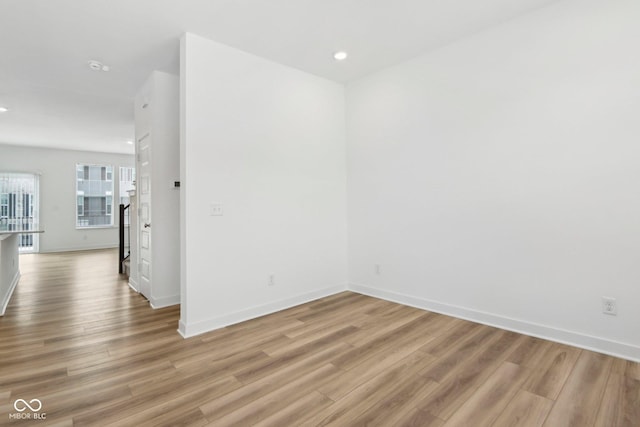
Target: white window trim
77 180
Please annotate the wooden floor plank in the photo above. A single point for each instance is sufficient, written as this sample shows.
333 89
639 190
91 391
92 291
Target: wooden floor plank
365 397
399 400
444 343
461 382
169 408
298 411
621 402
525 410
529 352
418 418
581 396
276 400
485 405
249 393
626 368
409 331
371 368
553 370
476 342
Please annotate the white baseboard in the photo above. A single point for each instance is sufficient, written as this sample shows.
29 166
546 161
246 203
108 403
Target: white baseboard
7 297
164 301
576 339
78 248
182 328
197 328
133 285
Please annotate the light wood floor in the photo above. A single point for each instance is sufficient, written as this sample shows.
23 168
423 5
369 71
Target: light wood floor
77 338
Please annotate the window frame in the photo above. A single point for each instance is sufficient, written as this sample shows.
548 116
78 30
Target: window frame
107 185
4 205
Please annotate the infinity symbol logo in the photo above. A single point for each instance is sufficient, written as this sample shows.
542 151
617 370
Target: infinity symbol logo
21 405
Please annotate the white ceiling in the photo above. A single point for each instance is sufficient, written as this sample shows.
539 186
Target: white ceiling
56 101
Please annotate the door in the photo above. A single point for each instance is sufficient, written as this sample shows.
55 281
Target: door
144 213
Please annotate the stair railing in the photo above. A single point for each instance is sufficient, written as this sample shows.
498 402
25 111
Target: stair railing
124 251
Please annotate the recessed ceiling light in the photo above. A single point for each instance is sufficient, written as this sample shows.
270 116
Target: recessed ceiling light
340 56
3 109
130 142
97 66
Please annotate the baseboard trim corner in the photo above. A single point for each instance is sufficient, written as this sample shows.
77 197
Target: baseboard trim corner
181 329
163 302
133 285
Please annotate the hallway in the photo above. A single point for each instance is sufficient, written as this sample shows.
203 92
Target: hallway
68 335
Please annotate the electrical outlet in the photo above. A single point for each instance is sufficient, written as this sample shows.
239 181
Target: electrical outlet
272 279
376 269
216 209
609 306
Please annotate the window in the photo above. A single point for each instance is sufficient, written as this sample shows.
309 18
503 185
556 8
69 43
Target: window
94 196
80 203
19 207
127 183
4 205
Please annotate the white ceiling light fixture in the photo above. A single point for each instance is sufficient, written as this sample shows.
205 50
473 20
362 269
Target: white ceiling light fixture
130 142
3 109
340 55
97 66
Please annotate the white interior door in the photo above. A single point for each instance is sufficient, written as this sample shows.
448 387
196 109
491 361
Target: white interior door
144 213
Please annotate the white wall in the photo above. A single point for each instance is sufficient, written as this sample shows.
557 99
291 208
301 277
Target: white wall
9 268
267 142
57 169
497 178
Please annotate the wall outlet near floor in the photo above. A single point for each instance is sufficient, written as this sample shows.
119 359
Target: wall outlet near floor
272 279
376 269
609 306
216 209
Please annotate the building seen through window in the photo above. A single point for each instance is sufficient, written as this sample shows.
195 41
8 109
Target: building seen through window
94 196
19 206
127 183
